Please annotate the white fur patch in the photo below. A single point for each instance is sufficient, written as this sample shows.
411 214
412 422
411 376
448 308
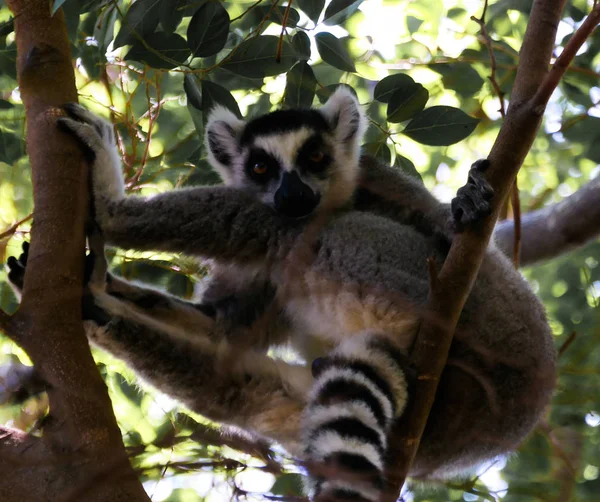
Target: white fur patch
284 146
363 489
357 349
316 416
330 442
223 126
336 373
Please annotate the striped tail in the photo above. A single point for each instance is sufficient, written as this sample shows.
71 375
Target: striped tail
359 389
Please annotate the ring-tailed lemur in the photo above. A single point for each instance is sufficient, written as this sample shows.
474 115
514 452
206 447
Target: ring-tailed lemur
327 252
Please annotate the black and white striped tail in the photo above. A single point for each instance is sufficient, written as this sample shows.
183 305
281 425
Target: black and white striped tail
359 389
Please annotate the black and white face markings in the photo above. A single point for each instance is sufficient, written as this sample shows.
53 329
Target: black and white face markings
292 160
287 159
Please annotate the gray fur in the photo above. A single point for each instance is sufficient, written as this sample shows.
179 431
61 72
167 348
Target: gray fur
358 266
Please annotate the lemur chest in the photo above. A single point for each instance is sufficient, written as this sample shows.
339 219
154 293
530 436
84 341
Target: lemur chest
320 308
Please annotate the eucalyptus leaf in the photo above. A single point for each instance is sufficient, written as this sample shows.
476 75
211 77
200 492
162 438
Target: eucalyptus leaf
190 86
300 86
171 12
256 57
208 29
164 51
339 10
324 93
388 85
333 52
215 94
440 126
140 21
301 45
406 166
405 103
462 78
288 485
379 150
56 5
312 8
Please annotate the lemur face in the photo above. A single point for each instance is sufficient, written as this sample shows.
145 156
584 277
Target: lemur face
296 161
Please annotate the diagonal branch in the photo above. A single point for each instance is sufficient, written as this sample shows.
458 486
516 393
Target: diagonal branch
460 269
554 230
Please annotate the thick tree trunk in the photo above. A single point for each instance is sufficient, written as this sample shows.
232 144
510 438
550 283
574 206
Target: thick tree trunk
80 455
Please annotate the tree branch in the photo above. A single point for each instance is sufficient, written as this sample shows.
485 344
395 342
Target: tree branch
466 254
81 439
554 230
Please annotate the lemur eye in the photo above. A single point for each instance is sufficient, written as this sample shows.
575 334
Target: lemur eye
317 156
260 168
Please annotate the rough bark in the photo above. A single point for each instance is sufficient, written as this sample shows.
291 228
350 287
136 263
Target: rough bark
80 455
557 229
449 290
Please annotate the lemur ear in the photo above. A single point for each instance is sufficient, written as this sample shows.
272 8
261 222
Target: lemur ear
221 138
345 116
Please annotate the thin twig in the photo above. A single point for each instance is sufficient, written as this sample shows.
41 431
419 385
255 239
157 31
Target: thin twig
13 228
283 26
493 64
563 61
567 343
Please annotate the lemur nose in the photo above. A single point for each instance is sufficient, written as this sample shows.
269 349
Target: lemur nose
294 198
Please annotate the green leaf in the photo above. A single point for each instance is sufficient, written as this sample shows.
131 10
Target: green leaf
214 94
333 52
255 58
4 105
461 78
324 93
379 150
413 24
171 12
440 126
312 8
406 166
340 10
288 485
104 28
406 103
386 87
277 15
208 30
12 147
301 45
140 21
194 97
167 50
300 86
262 15
56 5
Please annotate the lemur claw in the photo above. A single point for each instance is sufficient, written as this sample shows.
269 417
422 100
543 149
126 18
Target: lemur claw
473 201
17 266
90 311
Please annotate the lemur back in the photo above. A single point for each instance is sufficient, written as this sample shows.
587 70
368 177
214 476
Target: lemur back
330 251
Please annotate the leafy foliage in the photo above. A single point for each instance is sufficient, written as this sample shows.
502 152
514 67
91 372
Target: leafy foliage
423 75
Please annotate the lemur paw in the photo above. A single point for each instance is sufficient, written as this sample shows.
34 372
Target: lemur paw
97 138
17 266
473 201
94 133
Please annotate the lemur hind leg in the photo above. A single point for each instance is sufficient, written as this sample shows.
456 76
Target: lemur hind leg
359 389
245 389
